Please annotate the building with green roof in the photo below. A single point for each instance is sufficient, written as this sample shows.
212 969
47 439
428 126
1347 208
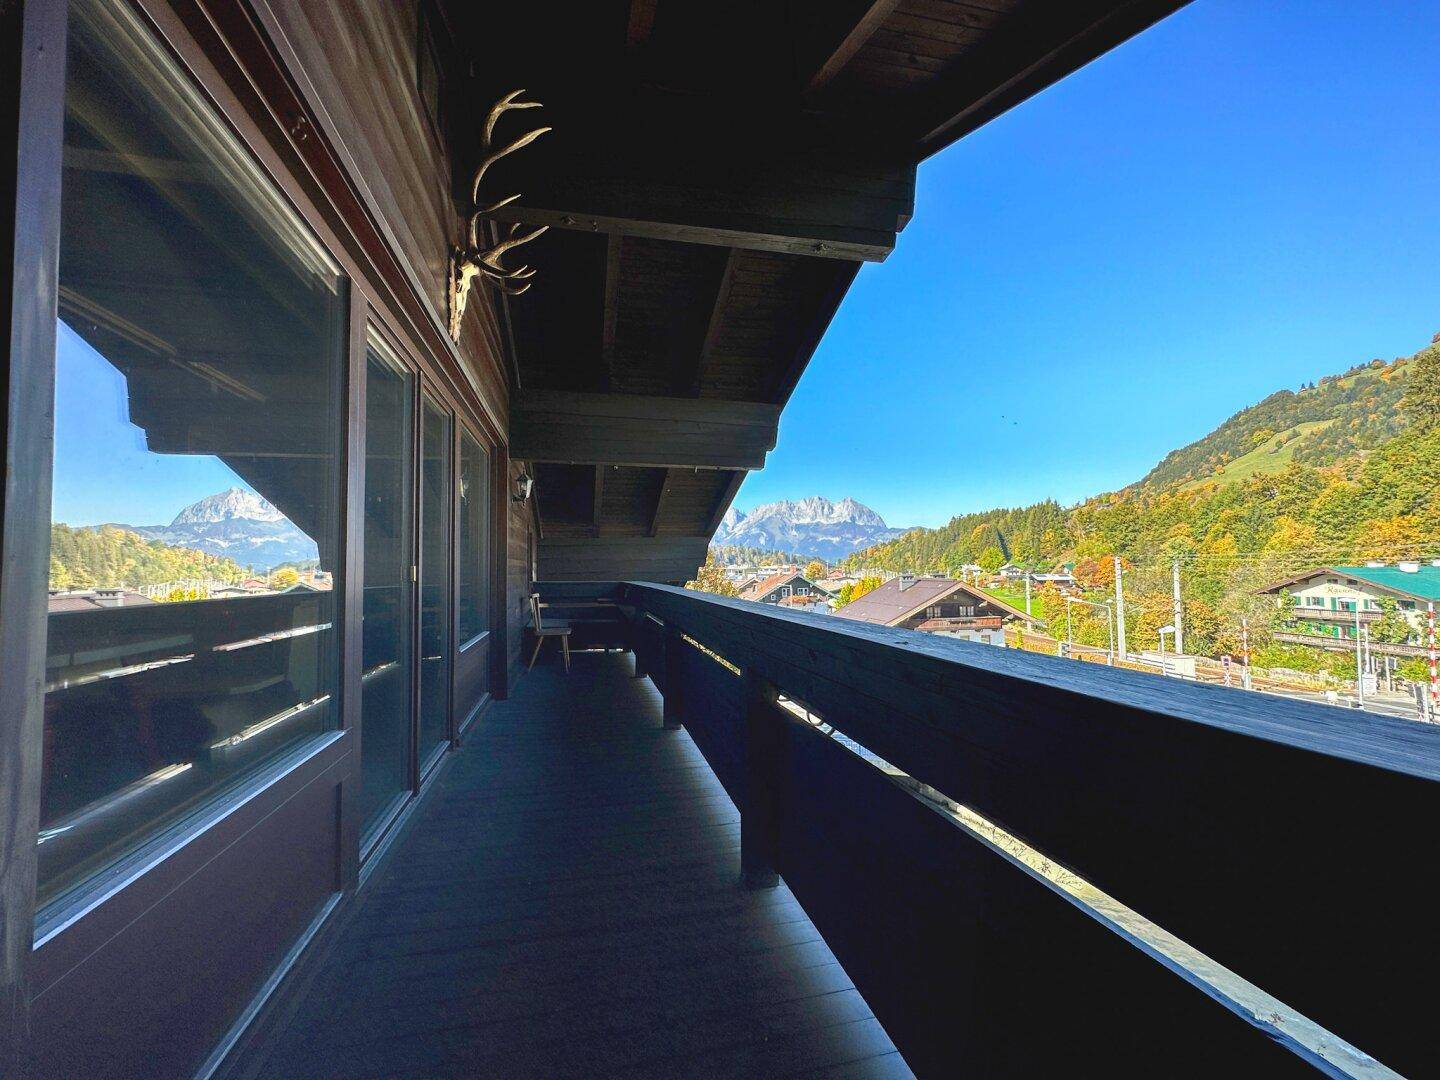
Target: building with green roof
1330 602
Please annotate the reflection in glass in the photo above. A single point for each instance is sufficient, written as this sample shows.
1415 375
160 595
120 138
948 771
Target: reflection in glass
435 492
385 698
198 368
474 553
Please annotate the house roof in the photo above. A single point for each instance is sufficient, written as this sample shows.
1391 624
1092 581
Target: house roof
889 605
91 600
1422 584
765 586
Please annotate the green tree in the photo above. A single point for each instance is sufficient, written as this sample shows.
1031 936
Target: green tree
1422 390
1391 627
1284 610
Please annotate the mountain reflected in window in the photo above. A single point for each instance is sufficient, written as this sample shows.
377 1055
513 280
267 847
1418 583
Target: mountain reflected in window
195 498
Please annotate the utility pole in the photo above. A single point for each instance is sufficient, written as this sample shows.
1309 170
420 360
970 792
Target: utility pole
1027 592
1178 620
1359 659
1434 691
1245 652
1120 607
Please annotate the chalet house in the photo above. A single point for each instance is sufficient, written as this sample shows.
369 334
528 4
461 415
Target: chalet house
935 605
779 587
1330 601
744 583
490 349
1011 571
1061 580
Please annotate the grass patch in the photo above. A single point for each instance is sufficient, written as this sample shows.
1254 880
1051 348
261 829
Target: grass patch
1271 456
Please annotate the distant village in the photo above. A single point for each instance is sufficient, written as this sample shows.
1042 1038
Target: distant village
1379 613
282 579
952 605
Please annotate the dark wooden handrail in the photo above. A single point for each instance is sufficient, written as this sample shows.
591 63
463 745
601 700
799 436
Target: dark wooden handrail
1286 840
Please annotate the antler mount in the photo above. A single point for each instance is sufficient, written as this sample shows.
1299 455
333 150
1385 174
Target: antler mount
475 260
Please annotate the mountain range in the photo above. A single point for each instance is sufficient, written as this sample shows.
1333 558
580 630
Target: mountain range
235 524
813 527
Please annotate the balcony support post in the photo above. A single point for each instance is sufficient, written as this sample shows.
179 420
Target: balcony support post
764 756
674 680
639 643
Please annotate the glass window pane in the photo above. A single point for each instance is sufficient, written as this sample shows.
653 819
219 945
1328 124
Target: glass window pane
386 700
198 375
435 495
474 599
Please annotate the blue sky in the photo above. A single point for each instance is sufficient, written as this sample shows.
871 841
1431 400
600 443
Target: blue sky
103 472
1244 198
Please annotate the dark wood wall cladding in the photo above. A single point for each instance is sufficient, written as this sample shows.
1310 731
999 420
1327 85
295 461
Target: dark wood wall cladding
359 62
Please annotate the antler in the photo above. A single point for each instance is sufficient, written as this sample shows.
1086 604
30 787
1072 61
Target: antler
502 106
473 260
491 258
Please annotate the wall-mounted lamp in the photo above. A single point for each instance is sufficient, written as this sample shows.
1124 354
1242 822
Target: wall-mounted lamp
524 484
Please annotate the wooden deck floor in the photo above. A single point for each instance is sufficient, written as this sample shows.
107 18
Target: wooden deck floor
566 905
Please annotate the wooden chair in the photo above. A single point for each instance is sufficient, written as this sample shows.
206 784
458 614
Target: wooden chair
542 632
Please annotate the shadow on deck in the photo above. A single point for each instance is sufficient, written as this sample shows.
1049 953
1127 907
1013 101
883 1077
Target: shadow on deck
566 904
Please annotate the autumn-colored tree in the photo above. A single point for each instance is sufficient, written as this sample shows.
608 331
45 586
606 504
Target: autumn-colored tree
284 578
814 569
1099 573
991 559
1422 390
1291 535
711 578
1391 537
853 590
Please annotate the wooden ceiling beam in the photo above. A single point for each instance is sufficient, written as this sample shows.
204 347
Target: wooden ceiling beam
665 486
727 496
611 308
622 558
1017 63
632 429
739 230
857 24
702 177
712 326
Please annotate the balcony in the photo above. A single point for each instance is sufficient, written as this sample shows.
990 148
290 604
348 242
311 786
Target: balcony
1328 615
943 844
567 905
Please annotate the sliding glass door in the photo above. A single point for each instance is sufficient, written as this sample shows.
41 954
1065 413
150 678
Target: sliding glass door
436 436
387 700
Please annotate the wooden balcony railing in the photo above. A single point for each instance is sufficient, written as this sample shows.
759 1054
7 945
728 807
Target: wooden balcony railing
1163 876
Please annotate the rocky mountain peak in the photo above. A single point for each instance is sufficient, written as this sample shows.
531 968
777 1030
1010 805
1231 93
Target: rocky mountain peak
229 505
814 526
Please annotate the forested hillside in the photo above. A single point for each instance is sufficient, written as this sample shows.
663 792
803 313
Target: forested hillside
108 557
744 555
1316 425
1361 479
